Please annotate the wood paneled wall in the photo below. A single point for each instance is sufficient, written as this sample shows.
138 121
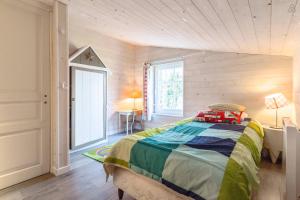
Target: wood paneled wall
60 162
119 57
296 85
215 77
209 77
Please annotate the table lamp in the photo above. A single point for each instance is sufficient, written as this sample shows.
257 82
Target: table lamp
275 101
135 94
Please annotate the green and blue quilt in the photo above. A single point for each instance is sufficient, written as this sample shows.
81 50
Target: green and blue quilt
196 159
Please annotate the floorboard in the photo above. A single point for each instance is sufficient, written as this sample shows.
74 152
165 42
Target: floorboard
87 181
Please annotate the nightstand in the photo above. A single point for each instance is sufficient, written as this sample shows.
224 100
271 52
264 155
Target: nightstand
273 141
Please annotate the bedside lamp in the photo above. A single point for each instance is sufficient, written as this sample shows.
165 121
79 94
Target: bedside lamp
275 101
135 94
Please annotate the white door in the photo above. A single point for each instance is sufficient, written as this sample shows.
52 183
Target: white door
88 106
24 91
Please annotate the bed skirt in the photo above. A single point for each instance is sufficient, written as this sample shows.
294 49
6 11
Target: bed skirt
143 188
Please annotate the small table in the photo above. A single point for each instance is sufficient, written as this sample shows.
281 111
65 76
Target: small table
127 114
273 141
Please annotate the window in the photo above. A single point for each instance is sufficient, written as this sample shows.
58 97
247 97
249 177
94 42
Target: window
168 88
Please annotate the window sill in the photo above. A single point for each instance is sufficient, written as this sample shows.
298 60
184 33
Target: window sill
167 115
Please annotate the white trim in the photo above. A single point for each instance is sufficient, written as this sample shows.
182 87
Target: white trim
80 51
60 171
89 67
54 90
291 160
59 154
67 86
165 65
180 115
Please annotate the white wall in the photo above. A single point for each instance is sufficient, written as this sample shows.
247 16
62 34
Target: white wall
212 77
118 57
296 85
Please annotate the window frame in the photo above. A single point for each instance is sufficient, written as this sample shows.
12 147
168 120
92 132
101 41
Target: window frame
156 109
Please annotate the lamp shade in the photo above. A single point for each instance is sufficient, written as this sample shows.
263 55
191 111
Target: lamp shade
135 94
275 101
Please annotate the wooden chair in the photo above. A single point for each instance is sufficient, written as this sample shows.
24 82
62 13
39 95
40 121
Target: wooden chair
137 118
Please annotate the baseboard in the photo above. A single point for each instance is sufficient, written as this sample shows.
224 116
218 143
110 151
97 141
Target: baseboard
124 132
60 171
116 131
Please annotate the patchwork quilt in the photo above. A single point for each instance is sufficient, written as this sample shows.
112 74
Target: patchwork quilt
197 159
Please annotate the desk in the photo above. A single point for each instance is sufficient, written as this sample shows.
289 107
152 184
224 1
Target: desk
127 114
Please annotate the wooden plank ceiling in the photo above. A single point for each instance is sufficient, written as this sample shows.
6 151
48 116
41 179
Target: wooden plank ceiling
245 26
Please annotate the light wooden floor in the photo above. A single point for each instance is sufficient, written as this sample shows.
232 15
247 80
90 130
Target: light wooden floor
86 181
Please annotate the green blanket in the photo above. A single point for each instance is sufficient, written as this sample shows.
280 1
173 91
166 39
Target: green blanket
196 159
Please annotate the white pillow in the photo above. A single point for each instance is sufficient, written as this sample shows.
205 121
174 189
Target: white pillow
227 107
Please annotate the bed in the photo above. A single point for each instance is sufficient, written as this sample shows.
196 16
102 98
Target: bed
188 160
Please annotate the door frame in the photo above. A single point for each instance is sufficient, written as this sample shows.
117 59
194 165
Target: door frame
59 40
72 91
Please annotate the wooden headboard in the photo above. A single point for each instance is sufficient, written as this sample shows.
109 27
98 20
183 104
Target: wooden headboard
291 160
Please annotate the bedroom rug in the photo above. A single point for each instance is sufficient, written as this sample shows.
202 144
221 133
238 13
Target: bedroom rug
100 153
